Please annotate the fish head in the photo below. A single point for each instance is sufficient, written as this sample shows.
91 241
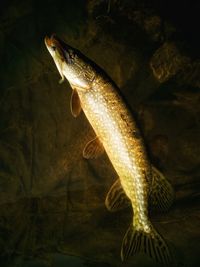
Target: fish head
71 63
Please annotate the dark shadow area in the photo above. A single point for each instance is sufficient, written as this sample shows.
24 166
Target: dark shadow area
52 210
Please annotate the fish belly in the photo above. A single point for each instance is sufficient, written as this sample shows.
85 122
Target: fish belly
116 129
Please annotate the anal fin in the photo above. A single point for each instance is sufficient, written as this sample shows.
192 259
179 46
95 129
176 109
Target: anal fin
161 192
116 198
93 149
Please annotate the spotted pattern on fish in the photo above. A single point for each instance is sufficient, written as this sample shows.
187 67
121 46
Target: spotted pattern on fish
118 132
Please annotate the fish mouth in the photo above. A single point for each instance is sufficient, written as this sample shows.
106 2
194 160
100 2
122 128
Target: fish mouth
53 40
62 48
49 41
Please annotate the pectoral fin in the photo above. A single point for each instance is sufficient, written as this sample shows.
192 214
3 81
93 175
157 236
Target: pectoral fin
93 149
161 192
116 198
75 104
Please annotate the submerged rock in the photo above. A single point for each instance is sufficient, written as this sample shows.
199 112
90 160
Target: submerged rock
167 61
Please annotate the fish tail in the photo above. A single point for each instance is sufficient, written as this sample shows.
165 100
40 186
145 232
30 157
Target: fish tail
149 242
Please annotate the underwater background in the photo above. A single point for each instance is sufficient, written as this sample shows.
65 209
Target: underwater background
52 210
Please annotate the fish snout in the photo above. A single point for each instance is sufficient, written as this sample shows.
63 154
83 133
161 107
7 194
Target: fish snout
48 41
51 41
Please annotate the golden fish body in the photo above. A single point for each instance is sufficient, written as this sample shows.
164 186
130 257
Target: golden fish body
116 129
117 134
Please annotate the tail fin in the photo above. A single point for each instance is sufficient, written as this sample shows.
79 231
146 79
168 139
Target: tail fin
151 243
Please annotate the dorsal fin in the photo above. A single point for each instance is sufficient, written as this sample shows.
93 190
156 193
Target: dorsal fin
75 104
161 192
116 198
93 149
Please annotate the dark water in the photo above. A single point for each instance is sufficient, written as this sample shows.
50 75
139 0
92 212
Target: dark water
52 210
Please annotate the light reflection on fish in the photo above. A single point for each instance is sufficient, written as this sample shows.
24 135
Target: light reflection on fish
116 133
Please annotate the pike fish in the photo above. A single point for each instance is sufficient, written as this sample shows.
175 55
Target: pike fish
140 184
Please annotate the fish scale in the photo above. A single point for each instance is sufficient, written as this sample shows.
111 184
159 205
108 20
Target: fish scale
117 133
103 108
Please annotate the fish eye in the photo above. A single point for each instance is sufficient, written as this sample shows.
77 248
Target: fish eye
53 47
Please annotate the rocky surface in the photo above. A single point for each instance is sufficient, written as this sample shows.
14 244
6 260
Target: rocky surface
52 209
